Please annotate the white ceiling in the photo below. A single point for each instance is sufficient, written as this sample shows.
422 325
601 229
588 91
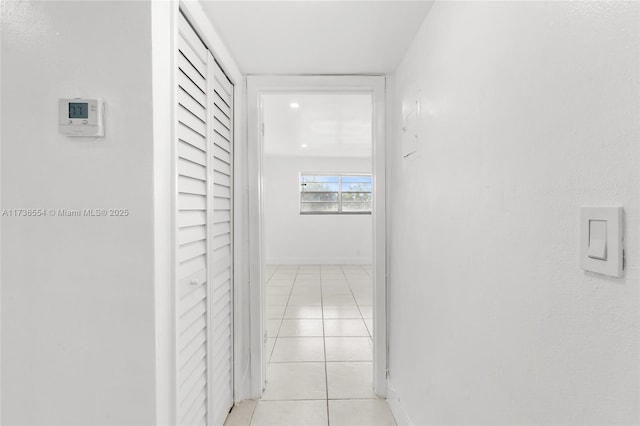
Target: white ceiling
317 37
324 124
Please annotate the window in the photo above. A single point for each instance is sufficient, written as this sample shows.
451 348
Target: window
335 194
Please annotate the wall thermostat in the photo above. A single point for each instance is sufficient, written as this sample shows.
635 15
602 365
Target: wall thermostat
81 117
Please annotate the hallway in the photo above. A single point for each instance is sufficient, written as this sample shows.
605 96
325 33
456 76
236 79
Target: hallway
319 329
503 147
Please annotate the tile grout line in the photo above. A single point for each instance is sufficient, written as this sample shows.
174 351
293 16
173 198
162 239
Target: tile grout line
324 346
356 301
253 412
351 398
274 345
283 314
363 319
295 278
277 333
321 272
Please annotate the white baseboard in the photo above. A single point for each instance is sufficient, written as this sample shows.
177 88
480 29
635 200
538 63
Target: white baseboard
320 261
397 409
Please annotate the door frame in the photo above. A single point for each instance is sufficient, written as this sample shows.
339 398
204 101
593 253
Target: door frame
256 87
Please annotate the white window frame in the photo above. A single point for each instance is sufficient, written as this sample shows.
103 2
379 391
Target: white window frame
339 192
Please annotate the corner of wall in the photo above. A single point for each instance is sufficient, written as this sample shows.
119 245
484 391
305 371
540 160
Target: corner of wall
395 404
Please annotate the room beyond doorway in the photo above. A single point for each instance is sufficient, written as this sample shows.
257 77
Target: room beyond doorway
317 205
317 164
258 89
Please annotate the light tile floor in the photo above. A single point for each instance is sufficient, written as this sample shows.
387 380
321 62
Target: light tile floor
318 322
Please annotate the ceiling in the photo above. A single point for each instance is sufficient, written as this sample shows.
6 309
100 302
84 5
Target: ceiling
323 124
317 37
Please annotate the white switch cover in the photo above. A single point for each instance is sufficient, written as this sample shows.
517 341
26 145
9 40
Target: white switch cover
601 237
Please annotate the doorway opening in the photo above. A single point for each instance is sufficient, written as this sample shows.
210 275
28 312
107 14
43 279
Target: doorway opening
315 285
317 164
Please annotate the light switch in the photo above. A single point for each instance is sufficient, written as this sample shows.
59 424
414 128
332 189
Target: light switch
601 238
597 239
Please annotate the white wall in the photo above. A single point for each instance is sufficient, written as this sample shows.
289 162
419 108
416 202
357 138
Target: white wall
77 292
530 110
291 238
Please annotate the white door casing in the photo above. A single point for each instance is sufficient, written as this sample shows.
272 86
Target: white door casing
256 86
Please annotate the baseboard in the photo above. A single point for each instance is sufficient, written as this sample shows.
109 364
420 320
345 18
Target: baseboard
321 261
397 409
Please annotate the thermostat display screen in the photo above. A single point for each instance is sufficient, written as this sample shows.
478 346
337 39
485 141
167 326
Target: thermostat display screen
78 110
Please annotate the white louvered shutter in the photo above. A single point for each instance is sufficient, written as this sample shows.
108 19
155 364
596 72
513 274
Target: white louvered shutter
204 236
221 160
193 229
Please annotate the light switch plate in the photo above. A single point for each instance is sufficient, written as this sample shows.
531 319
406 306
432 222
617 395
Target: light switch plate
612 264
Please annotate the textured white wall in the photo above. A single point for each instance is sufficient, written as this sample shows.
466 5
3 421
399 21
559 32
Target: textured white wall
291 238
77 292
530 110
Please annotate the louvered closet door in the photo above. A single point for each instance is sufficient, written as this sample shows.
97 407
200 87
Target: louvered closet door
221 98
193 229
204 236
